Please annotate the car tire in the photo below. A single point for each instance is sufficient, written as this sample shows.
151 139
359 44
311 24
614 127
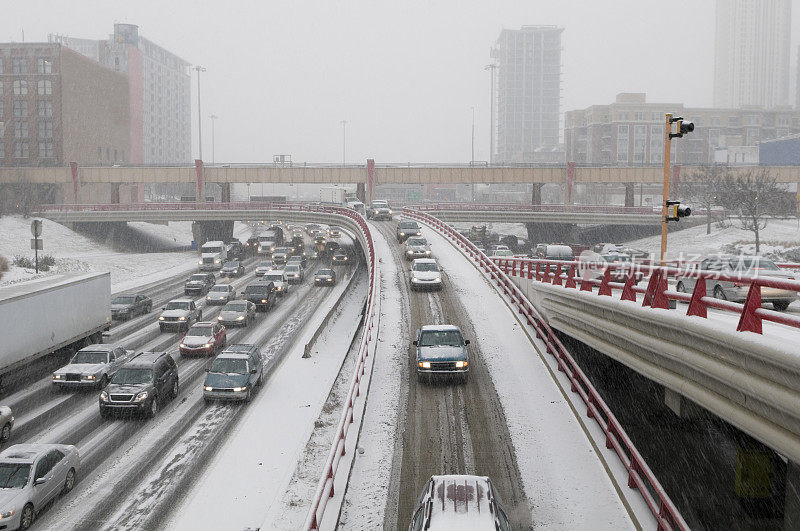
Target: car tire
780 306
260 378
162 329
69 482
680 287
6 433
719 293
175 389
249 395
152 411
26 518
104 414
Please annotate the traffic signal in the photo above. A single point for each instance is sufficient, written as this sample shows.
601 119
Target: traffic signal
682 127
675 211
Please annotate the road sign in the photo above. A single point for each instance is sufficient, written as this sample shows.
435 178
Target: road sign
36 228
37 244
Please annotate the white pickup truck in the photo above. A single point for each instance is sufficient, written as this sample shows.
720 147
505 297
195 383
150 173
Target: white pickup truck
92 366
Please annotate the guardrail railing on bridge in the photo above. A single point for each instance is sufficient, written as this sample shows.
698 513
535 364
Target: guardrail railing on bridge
526 207
640 476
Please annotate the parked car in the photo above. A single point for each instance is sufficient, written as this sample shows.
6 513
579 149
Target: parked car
203 339
340 257
92 366
199 284
237 313
179 314
263 266
325 277
301 260
279 279
232 268
126 306
31 476
141 385
406 229
281 255
752 266
459 502
7 422
425 274
234 374
294 273
220 294
417 247
261 293
441 351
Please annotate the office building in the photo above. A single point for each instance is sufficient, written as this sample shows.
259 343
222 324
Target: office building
528 103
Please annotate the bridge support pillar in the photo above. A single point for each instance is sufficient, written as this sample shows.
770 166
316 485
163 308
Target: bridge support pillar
536 194
205 231
115 193
226 192
552 232
361 192
629 194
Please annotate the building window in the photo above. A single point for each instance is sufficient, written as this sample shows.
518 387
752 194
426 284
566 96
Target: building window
115 155
20 109
45 129
19 65
1 85
45 108
1 109
44 66
20 129
99 153
45 150
2 129
715 120
639 116
622 130
45 87
20 87
2 150
1 65
21 150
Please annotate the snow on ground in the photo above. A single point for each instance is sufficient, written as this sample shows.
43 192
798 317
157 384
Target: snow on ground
74 252
251 472
778 236
565 478
368 489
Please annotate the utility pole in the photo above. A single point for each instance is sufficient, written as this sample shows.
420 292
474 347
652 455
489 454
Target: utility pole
199 115
492 67
213 158
671 207
344 141
472 160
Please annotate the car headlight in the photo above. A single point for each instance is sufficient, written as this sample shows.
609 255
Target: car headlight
89 377
240 318
219 318
160 318
200 262
264 301
409 251
7 514
330 280
57 377
418 233
390 212
425 364
207 345
141 396
461 364
428 251
208 388
181 318
104 396
208 297
437 279
239 389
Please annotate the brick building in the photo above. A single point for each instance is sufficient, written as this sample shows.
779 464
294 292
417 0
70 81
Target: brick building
630 131
57 106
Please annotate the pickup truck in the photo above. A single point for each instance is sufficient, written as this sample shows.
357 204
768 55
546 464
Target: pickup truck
92 366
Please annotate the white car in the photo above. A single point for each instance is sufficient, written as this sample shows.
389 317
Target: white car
31 476
425 274
459 502
92 366
294 273
277 277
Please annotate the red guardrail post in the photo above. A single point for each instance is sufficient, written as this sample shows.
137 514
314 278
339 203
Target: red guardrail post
696 305
749 321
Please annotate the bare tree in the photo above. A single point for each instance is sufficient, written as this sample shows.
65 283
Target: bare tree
755 195
703 188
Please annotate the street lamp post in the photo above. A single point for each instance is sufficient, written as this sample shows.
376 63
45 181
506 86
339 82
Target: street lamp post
199 69
344 141
492 67
213 118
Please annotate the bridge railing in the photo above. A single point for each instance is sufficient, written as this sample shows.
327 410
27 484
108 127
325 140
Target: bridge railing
640 476
585 275
525 207
185 205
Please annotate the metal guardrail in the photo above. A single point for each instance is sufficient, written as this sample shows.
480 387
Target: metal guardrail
526 207
640 476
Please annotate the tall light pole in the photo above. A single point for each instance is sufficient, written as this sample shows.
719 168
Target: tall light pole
671 210
344 141
472 160
213 117
199 115
492 67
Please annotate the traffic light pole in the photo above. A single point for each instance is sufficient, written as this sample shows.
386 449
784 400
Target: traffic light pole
665 193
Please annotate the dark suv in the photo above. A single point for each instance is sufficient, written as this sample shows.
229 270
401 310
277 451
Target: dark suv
199 284
141 385
262 294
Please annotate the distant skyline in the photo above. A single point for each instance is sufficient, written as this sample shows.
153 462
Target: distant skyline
281 76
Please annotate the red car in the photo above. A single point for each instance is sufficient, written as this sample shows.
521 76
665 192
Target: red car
203 339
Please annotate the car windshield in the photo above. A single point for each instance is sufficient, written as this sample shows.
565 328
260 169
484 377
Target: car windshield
504 252
223 288
291 268
339 252
275 277
197 278
235 307
325 272
425 266
440 338
14 475
617 258
89 357
201 331
265 264
131 376
417 241
249 290
753 264
124 299
408 225
232 264
177 305
229 366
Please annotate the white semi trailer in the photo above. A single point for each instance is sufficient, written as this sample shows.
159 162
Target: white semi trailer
51 314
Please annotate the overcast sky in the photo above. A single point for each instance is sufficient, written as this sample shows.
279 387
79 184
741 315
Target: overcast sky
282 75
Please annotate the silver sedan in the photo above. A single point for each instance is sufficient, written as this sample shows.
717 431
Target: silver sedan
237 313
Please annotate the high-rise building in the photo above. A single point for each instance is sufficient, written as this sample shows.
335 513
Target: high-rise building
160 92
57 107
528 103
751 63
